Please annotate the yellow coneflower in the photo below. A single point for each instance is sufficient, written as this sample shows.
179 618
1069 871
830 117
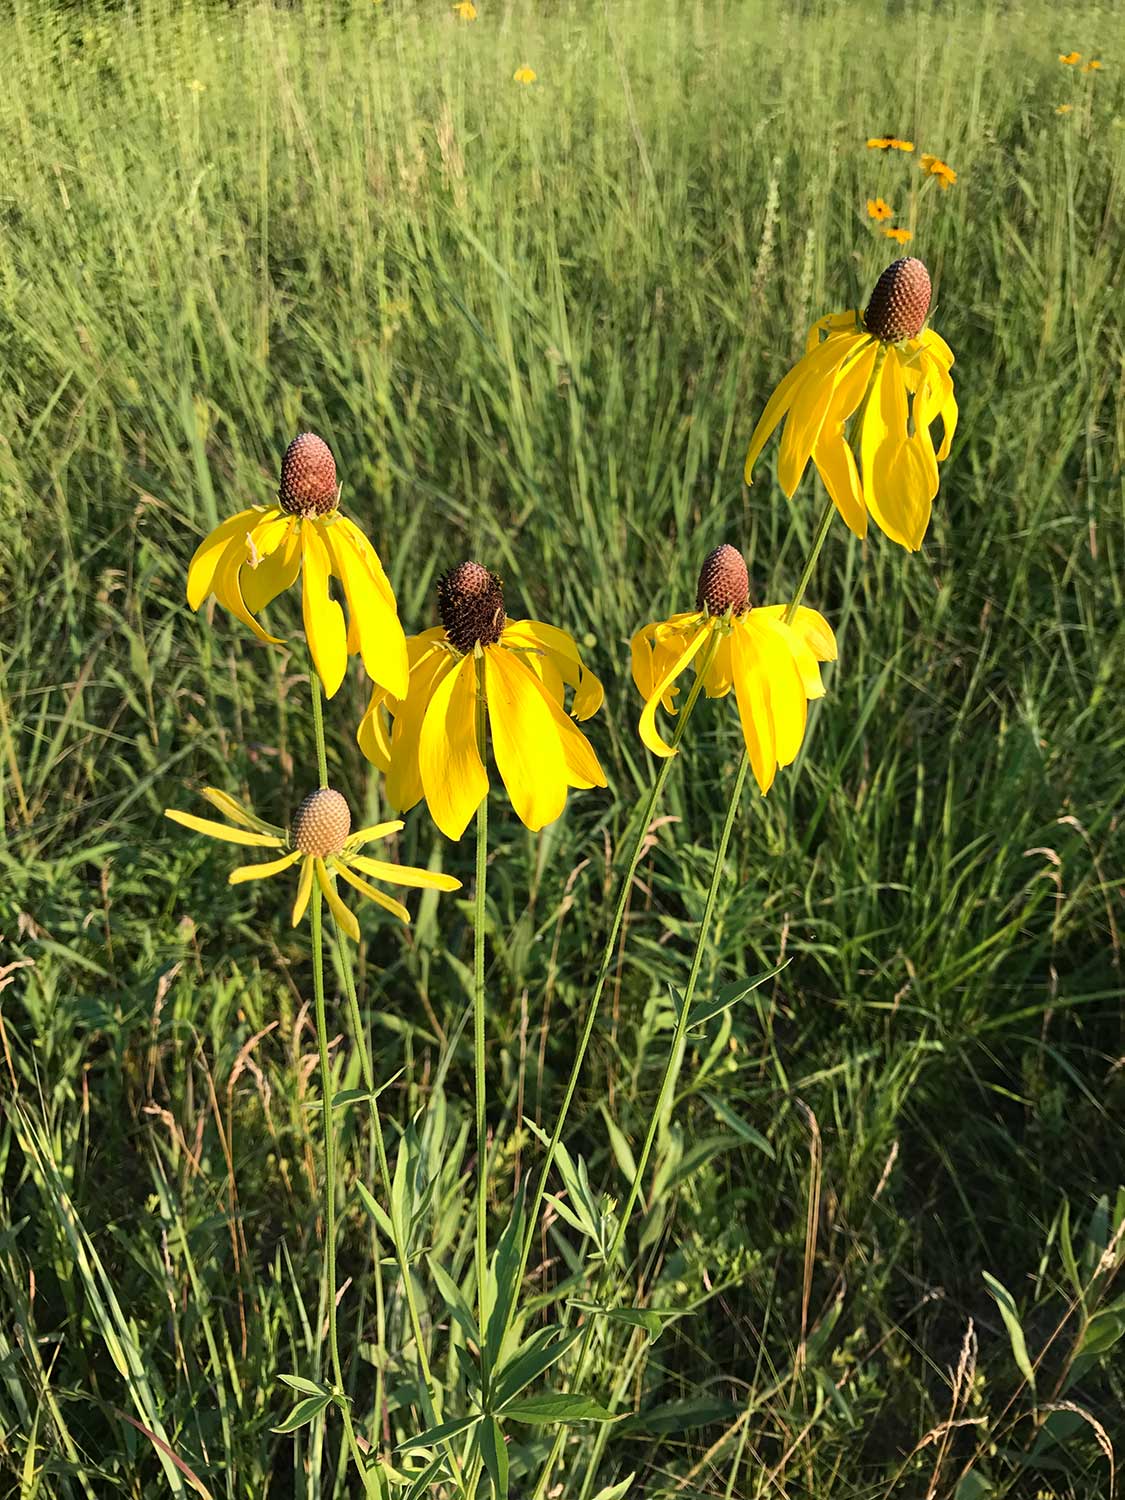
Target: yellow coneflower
879 209
933 166
248 560
1070 58
524 75
880 364
466 10
773 666
1064 109
902 236
1093 66
889 143
478 665
321 840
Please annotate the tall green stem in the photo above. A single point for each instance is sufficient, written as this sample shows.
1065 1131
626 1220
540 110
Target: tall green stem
822 528
330 1183
478 1035
318 724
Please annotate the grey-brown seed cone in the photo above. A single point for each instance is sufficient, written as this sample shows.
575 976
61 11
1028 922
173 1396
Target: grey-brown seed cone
471 605
900 301
321 824
723 582
308 477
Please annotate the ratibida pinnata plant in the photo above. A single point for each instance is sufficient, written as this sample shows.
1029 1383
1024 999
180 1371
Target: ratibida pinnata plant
479 690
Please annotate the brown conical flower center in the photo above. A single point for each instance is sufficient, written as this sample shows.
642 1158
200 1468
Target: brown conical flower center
723 582
308 477
900 301
321 824
471 604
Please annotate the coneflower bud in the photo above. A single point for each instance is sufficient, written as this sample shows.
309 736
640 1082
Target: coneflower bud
471 605
321 824
308 477
723 582
900 301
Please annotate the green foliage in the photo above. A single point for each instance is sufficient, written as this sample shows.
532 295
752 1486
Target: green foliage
537 325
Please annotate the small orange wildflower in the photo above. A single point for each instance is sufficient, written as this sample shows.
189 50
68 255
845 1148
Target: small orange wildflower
933 166
524 75
1064 109
466 10
879 209
889 143
900 236
1093 66
1069 58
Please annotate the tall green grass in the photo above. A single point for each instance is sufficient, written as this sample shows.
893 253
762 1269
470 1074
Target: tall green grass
537 325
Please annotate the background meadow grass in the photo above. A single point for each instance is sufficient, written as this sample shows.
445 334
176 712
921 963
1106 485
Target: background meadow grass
536 326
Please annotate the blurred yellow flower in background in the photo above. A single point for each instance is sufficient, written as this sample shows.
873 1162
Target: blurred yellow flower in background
879 209
933 166
248 560
466 10
901 236
479 668
889 143
773 666
1093 66
883 368
1070 58
1064 109
525 75
321 840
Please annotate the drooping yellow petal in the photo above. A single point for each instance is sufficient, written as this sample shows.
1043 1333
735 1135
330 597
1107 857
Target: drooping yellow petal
345 919
260 872
372 832
647 726
525 739
753 710
845 322
410 875
404 776
809 407
382 643
583 770
449 765
834 459
374 732
324 619
278 568
304 890
776 407
718 680
205 560
359 540
896 477
773 648
223 831
228 589
641 659
810 639
562 650
237 811
388 903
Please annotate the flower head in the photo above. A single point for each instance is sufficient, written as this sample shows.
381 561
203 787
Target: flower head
321 841
1070 58
933 166
879 209
885 369
251 558
479 668
524 75
772 664
889 143
900 236
466 10
1064 109
1093 66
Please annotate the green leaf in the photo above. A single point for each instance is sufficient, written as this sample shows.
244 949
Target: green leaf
747 1132
440 1433
455 1303
557 1406
377 1213
1103 1330
506 1269
622 1152
303 1412
973 1486
616 1491
567 1213
494 1451
1066 1248
652 1319
682 1416
306 1387
1009 1313
436 1469
347 1097
536 1355
730 995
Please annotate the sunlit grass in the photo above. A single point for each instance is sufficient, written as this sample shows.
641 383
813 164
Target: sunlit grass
537 324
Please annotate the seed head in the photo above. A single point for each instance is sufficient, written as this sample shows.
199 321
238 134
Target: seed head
471 604
308 477
321 824
723 582
900 301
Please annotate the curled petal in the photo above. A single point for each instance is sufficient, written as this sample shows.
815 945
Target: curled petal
810 404
388 903
525 739
236 811
277 568
647 726
304 890
205 560
223 831
410 875
324 619
228 590
562 650
372 832
453 778
260 872
382 643
345 919
404 775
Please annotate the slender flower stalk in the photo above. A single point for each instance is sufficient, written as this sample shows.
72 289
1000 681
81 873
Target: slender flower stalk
479 1073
